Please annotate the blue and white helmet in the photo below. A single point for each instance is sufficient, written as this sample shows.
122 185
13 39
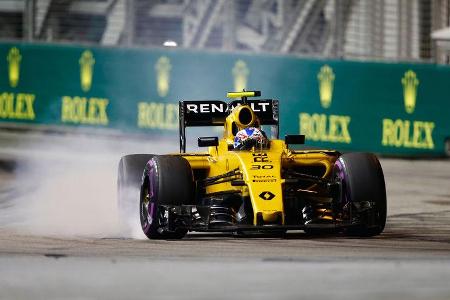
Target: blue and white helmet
250 137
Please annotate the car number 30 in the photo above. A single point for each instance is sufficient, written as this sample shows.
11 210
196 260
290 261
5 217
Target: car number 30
262 167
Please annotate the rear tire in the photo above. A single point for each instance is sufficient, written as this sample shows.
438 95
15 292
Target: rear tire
129 180
363 189
168 182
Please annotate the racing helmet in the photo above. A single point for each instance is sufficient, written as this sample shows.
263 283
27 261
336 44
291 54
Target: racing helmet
250 137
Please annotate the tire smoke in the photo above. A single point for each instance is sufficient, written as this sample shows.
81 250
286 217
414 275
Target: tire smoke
66 185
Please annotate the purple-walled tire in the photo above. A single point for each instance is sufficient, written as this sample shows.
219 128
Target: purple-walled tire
363 196
129 181
167 181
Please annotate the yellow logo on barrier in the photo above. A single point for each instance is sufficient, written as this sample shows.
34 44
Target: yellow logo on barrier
82 110
14 59
87 62
408 133
324 127
240 74
162 68
326 81
14 106
157 115
17 106
410 83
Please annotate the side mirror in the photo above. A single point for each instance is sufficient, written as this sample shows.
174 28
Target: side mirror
294 139
208 141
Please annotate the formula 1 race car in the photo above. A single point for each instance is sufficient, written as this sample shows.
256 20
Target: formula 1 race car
245 182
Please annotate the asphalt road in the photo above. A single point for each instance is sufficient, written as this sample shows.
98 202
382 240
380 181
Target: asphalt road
59 238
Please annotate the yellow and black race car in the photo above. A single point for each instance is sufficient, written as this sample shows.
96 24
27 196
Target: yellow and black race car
247 182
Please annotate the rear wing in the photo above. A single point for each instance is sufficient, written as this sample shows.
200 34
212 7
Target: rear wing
214 113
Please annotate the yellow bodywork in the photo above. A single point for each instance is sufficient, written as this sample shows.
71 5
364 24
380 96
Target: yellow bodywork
260 169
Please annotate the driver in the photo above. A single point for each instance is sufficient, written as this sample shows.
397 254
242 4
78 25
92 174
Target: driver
250 137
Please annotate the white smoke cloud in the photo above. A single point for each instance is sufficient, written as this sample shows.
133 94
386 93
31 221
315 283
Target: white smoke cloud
65 185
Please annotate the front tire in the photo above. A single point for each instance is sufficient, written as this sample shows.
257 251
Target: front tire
363 197
129 180
168 182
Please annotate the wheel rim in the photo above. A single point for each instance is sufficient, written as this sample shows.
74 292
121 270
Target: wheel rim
340 173
148 205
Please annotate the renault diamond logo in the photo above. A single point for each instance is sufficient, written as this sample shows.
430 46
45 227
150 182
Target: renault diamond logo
240 74
410 83
326 81
14 59
266 195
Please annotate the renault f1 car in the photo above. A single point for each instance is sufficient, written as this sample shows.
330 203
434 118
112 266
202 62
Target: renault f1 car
268 187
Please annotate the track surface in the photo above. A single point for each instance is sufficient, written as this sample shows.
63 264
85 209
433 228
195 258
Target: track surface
410 260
